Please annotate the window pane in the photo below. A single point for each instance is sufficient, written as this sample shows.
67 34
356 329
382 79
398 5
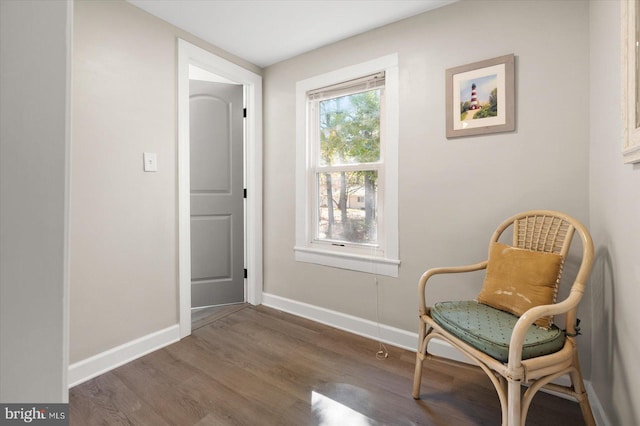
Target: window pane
350 129
347 206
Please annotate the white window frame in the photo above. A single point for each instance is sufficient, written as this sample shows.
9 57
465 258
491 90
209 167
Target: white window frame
384 258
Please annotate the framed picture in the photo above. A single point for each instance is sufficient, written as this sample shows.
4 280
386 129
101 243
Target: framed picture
480 97
630 82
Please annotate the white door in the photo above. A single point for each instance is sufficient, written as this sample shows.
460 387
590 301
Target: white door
217 188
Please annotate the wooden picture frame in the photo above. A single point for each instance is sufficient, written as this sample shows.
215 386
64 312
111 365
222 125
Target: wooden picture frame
629 15
480 97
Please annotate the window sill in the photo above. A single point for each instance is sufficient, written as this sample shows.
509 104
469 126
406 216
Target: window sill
354 262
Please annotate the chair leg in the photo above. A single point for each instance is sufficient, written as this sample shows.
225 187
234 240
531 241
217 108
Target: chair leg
417 377
514 403
583 399
420 353
504 402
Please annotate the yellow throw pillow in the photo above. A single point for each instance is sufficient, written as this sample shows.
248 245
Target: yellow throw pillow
518 279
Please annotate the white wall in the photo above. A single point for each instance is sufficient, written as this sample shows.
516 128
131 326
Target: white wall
124 277
452 193
34 125
615 225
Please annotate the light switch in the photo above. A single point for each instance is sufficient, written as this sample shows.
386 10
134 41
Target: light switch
150 161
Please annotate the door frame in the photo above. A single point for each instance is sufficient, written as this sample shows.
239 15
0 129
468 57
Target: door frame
189 54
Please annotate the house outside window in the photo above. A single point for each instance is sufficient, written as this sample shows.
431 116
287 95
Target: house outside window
346 173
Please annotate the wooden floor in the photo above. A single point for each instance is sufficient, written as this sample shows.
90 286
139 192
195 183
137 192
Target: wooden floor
247 365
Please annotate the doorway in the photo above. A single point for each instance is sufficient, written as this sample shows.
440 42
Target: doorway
216 139
191 56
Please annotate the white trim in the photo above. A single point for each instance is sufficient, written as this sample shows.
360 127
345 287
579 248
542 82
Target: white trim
596 406
362 327
67 203
387 265
96 365
189 54
354 262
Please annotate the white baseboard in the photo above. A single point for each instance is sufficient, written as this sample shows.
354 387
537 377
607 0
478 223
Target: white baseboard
596 406
362 327
89 368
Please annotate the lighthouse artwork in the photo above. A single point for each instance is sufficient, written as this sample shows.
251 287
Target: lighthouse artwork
474 97
480 97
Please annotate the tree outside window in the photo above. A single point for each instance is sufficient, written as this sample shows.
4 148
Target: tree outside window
347 169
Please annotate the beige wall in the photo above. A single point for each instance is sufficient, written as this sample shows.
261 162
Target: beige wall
615 212
123 241
34 139
452 193
118 293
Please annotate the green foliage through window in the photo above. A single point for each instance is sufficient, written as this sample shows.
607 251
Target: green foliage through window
349 134
350 129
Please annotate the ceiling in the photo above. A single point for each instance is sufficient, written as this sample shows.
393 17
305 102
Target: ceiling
264 32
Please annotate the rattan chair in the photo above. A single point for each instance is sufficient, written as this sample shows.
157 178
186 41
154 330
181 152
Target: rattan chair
518 359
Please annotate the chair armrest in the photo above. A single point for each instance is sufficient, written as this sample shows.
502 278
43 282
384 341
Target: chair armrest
443 270
529 317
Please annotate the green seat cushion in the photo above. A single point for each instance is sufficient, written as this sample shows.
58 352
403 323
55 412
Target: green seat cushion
489 329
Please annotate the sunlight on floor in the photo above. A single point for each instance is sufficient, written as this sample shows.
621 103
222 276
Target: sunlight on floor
333 413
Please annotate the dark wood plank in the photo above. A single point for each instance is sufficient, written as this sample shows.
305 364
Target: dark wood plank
106 400
255 365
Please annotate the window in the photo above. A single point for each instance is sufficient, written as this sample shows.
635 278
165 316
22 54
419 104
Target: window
346 189
344 138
